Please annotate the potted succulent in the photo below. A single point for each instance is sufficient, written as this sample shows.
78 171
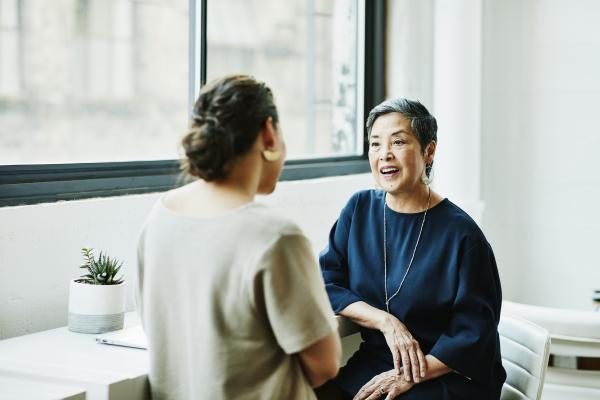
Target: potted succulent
97 298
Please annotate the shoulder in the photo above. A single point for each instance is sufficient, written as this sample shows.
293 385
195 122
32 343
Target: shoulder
152 218
266 239
275 240
367 195
268 223
460 224
364 199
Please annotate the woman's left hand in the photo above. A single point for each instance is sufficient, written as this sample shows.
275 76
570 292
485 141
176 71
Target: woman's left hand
388 384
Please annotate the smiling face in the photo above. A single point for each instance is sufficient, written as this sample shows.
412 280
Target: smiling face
395 154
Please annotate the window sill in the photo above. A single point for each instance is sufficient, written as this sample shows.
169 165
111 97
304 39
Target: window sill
33 184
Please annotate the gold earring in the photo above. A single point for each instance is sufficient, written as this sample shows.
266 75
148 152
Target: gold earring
271 155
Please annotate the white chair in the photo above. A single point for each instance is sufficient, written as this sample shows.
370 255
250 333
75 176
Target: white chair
573 334
525 351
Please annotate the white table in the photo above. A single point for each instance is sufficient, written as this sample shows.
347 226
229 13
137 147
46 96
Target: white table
60 364
21 388
62 359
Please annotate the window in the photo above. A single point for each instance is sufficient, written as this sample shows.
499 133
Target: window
306 51
109 84
11 62
105 82
107 51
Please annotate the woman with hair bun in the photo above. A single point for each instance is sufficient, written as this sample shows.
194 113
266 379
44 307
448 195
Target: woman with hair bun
229 293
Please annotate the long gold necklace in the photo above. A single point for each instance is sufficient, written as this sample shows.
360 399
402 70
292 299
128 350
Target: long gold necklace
387 300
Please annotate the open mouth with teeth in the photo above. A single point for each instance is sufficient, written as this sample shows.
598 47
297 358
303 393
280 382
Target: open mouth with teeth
388 170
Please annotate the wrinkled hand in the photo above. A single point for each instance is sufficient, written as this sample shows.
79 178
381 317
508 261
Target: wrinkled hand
388 384
404 348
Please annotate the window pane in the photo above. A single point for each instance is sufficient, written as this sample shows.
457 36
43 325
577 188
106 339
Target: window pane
10 81
306 51
92 80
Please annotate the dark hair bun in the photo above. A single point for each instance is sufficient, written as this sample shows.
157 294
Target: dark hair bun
226 120
207 150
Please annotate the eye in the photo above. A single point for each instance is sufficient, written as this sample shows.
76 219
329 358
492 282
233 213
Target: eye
374 145
398 142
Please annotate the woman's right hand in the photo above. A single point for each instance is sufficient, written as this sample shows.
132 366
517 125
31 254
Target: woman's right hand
406 351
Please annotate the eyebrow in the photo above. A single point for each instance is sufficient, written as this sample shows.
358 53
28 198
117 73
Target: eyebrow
392 134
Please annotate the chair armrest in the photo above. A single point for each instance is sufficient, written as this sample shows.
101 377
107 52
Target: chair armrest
559 322
573 333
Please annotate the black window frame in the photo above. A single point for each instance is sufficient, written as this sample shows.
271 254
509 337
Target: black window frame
42 183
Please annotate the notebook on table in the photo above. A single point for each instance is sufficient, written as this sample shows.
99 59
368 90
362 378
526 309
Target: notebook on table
128 337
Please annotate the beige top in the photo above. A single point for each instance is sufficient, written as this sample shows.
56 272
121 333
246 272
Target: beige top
226 302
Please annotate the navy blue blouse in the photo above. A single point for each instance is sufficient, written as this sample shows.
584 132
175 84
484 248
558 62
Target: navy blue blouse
450 300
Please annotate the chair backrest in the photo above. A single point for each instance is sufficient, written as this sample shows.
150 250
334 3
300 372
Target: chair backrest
525 350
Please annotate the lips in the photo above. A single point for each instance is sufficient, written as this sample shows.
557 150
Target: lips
388 170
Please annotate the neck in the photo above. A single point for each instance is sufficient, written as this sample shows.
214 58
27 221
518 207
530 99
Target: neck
409 202
241 184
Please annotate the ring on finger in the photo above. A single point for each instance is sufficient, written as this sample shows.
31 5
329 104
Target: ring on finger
381 392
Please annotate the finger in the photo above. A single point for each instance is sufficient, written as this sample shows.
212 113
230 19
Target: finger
392 394
361 395
397 361
370 393
395 349
375 395
414 364
364 391
406 364
422 362
367 389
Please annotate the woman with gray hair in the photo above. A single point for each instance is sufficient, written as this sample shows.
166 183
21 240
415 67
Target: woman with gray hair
416 273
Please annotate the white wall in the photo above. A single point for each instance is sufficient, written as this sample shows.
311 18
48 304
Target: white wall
457 98
434 56
521 153
540 141
539 170
409 50
40 244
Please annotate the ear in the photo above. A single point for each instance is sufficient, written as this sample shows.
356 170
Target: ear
429 152
269 134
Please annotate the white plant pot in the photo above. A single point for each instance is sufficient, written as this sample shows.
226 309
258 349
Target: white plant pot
96 308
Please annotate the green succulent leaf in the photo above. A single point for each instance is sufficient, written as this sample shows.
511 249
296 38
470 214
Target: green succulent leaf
102 270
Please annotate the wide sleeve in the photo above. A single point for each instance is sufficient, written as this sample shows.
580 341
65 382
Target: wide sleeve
292 292
470 344
334 261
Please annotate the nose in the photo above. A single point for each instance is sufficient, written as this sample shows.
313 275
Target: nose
385 152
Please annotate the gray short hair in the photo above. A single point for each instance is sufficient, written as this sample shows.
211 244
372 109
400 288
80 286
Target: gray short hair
422 123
